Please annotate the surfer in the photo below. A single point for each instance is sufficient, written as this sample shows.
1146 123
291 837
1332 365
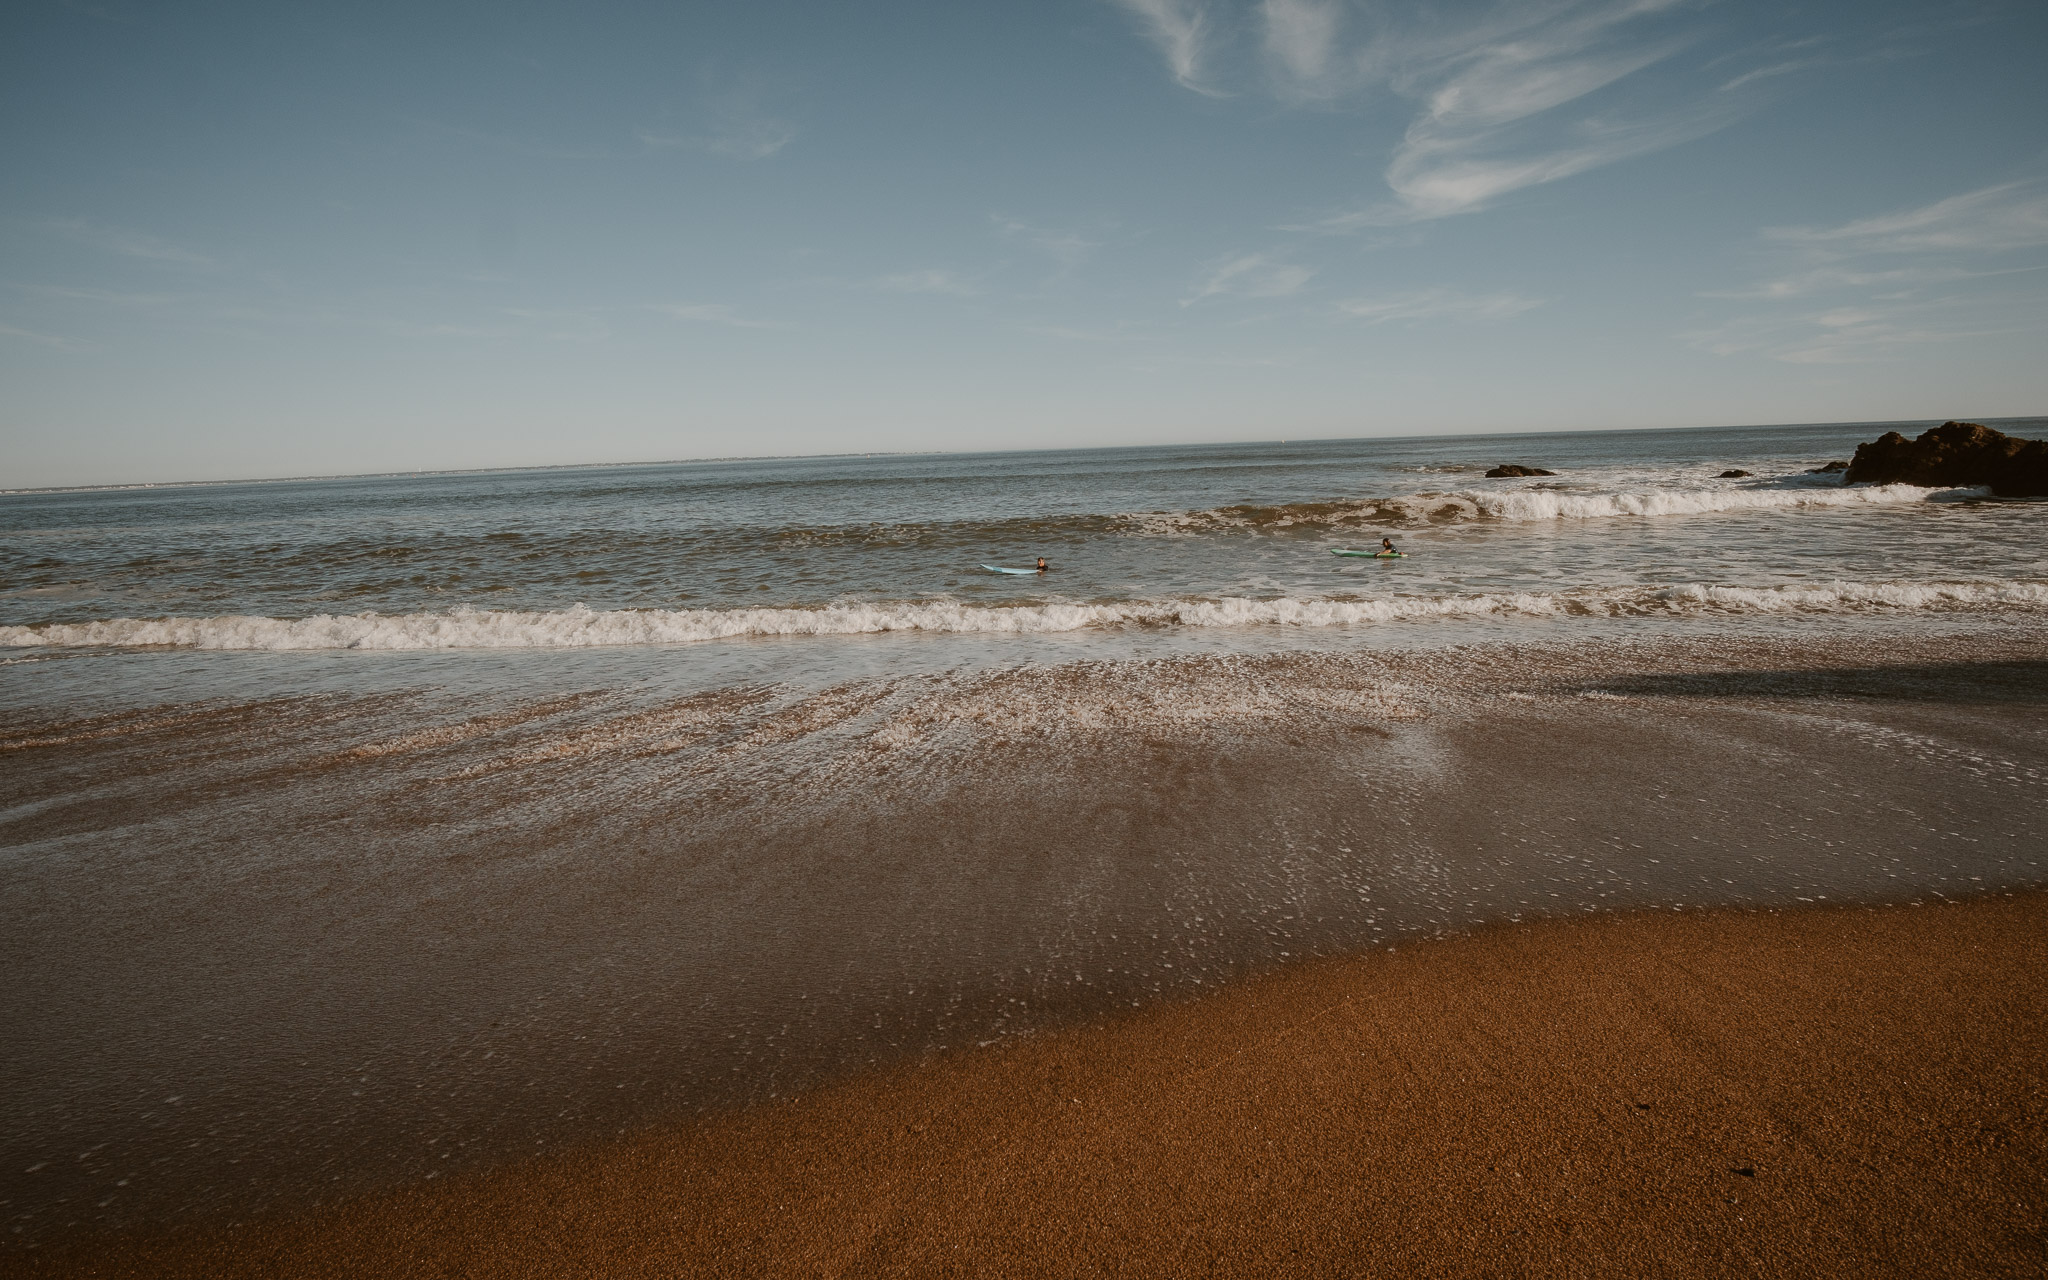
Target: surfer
1042 565
1386 545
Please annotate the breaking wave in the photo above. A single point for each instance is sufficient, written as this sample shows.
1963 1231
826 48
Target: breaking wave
1541 503
581 627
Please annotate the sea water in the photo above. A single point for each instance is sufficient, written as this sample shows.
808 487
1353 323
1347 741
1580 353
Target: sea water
674 570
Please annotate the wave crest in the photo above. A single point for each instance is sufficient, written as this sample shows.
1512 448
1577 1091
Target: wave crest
581 627
1538 503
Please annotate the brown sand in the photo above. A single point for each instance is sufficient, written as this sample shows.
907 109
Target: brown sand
1843 1091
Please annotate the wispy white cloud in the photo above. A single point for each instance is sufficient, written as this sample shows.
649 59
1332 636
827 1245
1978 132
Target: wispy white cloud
734 116
1928 274
925 280
565 325
107 297
1302 37
1067 248
1831 279
746 139
2012 215
1840 335
1509 107
1181 29
1775 69
413 329
711 313
1508 94
1072 333
1437 304
1250 275
515 144
40 339
131 244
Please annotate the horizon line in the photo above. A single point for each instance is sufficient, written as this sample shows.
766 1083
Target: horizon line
113 486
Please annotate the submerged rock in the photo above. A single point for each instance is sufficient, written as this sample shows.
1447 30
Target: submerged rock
1953 455
1508 470
1733 474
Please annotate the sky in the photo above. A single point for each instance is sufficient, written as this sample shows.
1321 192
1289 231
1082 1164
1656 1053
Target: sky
244 240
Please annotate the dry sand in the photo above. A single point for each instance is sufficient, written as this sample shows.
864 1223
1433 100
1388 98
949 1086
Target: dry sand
1842 1091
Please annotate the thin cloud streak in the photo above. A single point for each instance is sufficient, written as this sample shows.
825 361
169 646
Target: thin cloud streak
1067 248
749 139
107 297
1765 73
2012 215
1251 275
40 339
564 325
1180 29
130 244
1887 267
1500 89
711 313
1491 121
1437 304
1840 335
928 280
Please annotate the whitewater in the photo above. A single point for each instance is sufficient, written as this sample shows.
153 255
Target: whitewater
580 627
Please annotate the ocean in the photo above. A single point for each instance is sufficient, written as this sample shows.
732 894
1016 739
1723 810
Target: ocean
357 831
1636 527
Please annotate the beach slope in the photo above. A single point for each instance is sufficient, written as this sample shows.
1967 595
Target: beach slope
1828 1091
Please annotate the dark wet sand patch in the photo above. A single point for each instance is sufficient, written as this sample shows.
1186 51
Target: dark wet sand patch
1837 1091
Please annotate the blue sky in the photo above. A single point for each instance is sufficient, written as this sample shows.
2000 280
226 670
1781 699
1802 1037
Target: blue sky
281 239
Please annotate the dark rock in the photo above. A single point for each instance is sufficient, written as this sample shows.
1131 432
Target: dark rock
1953 455
1836 465
1732 474
1508 470
1747 1171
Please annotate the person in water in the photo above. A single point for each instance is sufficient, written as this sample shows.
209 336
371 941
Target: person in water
1386 548
1042 565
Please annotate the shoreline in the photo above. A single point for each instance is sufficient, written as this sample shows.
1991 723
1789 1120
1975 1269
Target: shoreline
286 951
1848 1090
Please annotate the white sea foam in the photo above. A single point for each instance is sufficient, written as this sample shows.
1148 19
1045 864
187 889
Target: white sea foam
1539 502
580 627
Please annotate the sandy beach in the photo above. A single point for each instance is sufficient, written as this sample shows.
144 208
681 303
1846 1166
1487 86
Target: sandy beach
1845 1091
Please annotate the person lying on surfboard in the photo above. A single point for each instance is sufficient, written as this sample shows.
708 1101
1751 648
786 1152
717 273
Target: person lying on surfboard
1387 545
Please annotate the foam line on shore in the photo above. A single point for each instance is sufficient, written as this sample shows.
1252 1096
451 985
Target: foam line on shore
582 627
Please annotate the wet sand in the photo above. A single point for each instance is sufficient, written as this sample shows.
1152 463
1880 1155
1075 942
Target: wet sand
1824 1091
270 956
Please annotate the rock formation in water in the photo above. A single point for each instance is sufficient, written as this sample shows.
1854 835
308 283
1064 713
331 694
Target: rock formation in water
1953 455
1508 470
1733 474
1825 467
